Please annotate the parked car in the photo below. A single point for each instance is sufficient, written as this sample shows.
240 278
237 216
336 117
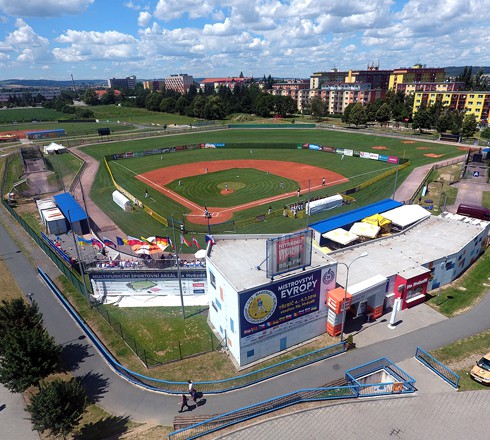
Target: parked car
474 211
481 371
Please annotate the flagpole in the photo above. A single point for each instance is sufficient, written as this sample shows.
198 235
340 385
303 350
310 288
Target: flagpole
80 265
178 271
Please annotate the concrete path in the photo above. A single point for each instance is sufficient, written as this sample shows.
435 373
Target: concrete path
448 416
14 423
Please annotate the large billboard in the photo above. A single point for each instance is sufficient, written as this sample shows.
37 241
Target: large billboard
161 283
282 301
288 252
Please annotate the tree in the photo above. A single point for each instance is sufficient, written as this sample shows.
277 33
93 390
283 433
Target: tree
383 113
57 407
422 119
358 115
90 97
317 108
485 133
346 114
28 355
469 125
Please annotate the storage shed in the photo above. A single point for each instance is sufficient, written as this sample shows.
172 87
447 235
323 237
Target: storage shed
44 204
54 221
122 201
73 212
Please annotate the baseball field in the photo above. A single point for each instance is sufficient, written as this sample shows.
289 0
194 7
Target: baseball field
255 170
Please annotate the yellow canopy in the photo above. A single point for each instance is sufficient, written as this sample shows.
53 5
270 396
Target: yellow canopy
377 220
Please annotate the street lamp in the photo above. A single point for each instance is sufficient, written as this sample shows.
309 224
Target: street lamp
347 266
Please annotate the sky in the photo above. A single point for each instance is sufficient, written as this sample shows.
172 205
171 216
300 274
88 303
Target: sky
102 39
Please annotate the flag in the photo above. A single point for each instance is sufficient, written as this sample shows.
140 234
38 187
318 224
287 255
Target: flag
119 241
82 240
132 241
161 240
196 242
184 241
145 240
98 243
209 238
108 242
171 243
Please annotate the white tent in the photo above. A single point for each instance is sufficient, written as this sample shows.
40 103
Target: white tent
54 148
365 229
406 215
340 236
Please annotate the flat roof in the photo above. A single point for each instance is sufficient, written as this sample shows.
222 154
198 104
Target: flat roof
430 240
236 257
70 207
347 218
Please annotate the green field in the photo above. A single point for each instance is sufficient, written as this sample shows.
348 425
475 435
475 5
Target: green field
358 170
19 115
244 185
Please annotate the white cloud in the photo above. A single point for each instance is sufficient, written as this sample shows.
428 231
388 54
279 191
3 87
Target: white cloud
144 18
43 8
91 45
167 10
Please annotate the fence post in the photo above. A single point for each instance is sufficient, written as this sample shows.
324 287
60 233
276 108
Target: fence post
180 351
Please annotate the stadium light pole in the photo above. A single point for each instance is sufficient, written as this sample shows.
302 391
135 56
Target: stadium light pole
80 264
347 266
178 271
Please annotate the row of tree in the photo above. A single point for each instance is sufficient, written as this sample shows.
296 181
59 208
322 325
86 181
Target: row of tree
28 355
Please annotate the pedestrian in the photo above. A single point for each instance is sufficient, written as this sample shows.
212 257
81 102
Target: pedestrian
323 181
342 158
192 391
226 186
269 212
180 182
205 171
281 184
299 190
183 402
251 151
146 194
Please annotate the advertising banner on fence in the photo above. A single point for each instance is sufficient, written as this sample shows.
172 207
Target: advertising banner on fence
162 283
288 252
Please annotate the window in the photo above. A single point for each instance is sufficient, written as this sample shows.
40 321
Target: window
214 306
218 304
232 325
212 279
250 353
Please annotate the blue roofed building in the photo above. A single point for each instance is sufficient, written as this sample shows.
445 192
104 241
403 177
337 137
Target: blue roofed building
347 219
73 212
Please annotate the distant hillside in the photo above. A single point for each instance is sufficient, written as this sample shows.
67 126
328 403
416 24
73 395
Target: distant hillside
456 71
49 83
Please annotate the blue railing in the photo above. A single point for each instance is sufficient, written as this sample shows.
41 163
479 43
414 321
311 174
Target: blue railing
404 384
437 367
209 387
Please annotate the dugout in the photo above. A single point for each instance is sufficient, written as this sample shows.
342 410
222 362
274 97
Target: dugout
73 212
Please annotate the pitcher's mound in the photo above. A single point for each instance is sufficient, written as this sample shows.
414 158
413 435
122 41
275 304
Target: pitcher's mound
225 192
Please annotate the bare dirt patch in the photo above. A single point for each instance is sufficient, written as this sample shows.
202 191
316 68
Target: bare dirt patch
434 155
226 192
409 142
380 147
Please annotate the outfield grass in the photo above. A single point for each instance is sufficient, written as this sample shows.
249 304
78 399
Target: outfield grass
244 185
17 115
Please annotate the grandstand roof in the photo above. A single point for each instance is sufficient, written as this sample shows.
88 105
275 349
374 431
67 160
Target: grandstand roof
70 207
356 215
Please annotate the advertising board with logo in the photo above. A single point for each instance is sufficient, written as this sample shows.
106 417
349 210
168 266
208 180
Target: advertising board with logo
286 302
288 252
